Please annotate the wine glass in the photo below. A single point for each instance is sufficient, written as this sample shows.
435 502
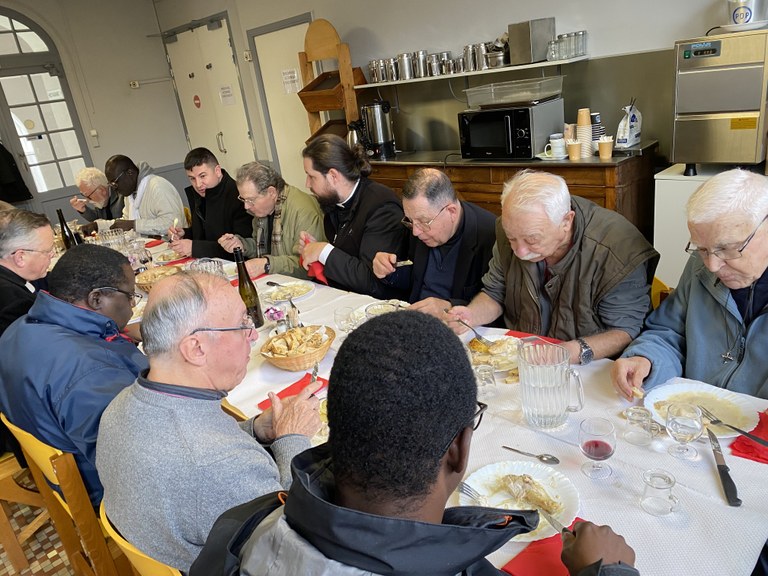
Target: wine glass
597 439
683 425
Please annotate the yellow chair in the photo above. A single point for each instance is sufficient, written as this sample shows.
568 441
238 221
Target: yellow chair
81 533
11 491
233 411
188 216
143 564
659 291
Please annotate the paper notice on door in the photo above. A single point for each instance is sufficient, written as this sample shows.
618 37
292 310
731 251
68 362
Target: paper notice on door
227 96
291 81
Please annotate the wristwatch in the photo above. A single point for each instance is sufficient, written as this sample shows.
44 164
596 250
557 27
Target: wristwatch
267 266
585 354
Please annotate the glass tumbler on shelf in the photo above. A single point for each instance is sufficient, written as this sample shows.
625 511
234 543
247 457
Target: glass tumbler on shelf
683 426
553 53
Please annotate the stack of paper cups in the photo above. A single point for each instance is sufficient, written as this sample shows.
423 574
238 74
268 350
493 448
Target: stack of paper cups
584 132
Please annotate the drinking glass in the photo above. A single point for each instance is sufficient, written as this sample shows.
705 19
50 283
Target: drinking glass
684 426
343 319
486 382
597 439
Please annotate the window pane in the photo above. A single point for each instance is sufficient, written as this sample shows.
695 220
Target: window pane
27 120
37 148
46 177
65 144
5 23
47 87
19 26
8 44
31 42
17 90
56 115
69 168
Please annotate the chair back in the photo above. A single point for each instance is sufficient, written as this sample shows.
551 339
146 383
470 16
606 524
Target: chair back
143 564
659 291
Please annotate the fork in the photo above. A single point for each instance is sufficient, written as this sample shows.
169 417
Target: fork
480 338
717 422
467 490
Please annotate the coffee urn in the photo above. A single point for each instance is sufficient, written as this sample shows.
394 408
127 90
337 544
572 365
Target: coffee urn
380 141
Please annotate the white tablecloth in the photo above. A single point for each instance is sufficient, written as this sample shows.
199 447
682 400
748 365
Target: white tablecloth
705 536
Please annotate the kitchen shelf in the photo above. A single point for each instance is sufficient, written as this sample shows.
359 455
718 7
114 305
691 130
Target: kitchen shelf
545 64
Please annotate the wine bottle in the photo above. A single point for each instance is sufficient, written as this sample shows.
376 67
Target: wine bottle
248 291
67 236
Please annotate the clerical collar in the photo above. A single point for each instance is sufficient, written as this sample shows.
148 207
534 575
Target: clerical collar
346 202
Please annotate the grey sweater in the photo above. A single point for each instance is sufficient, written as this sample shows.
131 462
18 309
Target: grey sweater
170 465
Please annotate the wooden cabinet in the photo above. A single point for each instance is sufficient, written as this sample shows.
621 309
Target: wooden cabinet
622 184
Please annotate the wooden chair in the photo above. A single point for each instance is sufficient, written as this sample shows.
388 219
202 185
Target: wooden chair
143 564
81 533
11 491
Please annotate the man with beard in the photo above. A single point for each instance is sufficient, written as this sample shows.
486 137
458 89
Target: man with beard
212 199
362 217
98 203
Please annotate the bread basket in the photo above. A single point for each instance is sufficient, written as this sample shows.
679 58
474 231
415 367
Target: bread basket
145 280
300 362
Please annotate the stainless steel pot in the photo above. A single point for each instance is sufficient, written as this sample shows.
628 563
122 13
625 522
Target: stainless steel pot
380 140
405 65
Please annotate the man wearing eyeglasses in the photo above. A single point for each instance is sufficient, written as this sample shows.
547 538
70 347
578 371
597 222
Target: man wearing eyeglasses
280 213
171 460
62 363
451 245
151 202
97 204
714 326
212 199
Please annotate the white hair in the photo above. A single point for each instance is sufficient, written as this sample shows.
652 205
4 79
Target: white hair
93 177
732 193
530 189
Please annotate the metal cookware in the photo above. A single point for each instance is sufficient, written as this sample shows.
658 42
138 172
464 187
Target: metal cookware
405 65
379 138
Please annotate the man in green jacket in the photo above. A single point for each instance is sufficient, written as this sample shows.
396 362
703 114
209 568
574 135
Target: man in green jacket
280 212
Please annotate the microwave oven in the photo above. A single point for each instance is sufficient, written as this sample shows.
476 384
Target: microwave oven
515 133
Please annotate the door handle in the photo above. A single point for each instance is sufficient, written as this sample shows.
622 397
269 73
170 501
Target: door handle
220 142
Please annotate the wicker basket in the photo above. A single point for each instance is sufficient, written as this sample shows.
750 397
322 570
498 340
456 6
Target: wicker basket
303 361
145 280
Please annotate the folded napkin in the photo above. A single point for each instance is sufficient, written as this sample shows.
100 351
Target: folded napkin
316 270
746 448
293 389
540 557
153 243
517 334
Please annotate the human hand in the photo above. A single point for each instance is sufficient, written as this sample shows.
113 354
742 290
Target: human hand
78 203
182 247
123 225
383 264
629 373
255 266
433 306
298 415
229 242
574 351
458 312
304 239
311 253
590 543
175 233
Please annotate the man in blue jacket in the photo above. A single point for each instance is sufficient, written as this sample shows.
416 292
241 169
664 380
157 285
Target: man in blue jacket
62 363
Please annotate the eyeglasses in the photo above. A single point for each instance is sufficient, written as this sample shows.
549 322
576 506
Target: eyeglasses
92 192
477 417
426 226
725 253
248 201
113 185
134 297
51 251
246 325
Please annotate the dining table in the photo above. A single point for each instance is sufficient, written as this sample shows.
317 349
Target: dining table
704 535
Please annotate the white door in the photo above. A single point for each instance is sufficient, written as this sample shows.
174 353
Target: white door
208 88
277 60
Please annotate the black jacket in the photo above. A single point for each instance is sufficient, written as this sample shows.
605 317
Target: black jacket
224 213
112 211
15 298
370 224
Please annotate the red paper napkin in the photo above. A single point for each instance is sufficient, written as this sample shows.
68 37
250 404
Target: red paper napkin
540 557
746 448
517 334
236 282
316 270
292 390
153 243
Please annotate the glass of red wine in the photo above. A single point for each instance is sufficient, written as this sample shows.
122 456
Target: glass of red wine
597 439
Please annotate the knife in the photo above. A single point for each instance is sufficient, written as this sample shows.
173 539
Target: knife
556 524
725 478
403 263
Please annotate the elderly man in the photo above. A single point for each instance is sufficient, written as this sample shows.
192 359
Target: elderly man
714 326
152 204
61 364
362 217
372 500
280 213
105 205
215 208
26 248
170 459
451 245
566 268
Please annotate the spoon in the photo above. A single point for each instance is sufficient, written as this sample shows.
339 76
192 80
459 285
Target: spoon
546 458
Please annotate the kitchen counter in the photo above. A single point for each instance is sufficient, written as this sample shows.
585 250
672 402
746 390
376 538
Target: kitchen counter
623 183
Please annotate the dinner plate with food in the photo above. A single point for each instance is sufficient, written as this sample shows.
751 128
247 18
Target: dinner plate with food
296 290
367 311
169 257
501 354
518 485
737 410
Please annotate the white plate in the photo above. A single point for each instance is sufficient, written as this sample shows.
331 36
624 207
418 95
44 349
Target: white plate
497 366
747 411
546 158
358 314
757 24
167 254
270 293
557 486
138 311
